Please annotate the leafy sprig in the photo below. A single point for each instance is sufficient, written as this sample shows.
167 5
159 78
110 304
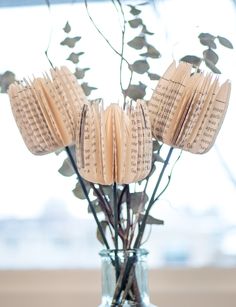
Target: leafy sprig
74 57
209 55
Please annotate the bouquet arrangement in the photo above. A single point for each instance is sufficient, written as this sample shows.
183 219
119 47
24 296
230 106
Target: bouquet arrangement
110 148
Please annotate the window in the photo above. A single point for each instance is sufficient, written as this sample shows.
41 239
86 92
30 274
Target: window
41 223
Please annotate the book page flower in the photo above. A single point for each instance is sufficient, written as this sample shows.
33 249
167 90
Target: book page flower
114 145
187 109
47 109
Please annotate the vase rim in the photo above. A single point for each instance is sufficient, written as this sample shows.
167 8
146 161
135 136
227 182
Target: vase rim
138 251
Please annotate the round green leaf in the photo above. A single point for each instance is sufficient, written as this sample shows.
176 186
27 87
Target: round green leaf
74 57
134 11
87 89
6 79
137 43
225 42
153 76
151 220
210 55
66 169
140 66
79 72
135 23
207 39
156 145
212 67
192 59
137 201
70 41
136 91
152 52
67 27
145 31
96 206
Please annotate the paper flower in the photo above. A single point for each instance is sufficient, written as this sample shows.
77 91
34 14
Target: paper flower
47 109
114 145
187 109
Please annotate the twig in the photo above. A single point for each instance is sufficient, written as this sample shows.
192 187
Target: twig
168 181
120 54
103 36
50 35
143 223
115 212
87 196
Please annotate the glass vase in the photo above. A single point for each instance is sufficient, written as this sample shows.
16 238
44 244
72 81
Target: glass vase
124 278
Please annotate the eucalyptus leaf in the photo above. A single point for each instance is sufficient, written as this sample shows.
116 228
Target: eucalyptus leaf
80 73
74 57
66 169
153 76
138 201
108 191
87 89
143 3
192 59
137 43
157 158
104 225
210 55
152 52
78 191
96 206
151 220
145 31
135 23
156 145
67 27
225 42
207 39
140 66
134 11
212 67
136 91
70 41
7 78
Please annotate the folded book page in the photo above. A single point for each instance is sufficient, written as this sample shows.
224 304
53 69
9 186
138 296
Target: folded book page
119 149
189 110
47 109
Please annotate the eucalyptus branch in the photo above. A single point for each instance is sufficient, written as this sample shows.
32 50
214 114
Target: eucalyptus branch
50 35
128 266
106 209
139 211
126 187
104 195
169 179
144 220
122 48
100 32
81 181
120 54
102 198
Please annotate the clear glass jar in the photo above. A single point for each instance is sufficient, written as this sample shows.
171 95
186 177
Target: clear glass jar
128 284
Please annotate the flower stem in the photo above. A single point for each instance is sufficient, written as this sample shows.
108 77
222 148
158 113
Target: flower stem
87 196
144 220
115 210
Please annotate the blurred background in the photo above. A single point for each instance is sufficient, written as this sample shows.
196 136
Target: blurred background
42 224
